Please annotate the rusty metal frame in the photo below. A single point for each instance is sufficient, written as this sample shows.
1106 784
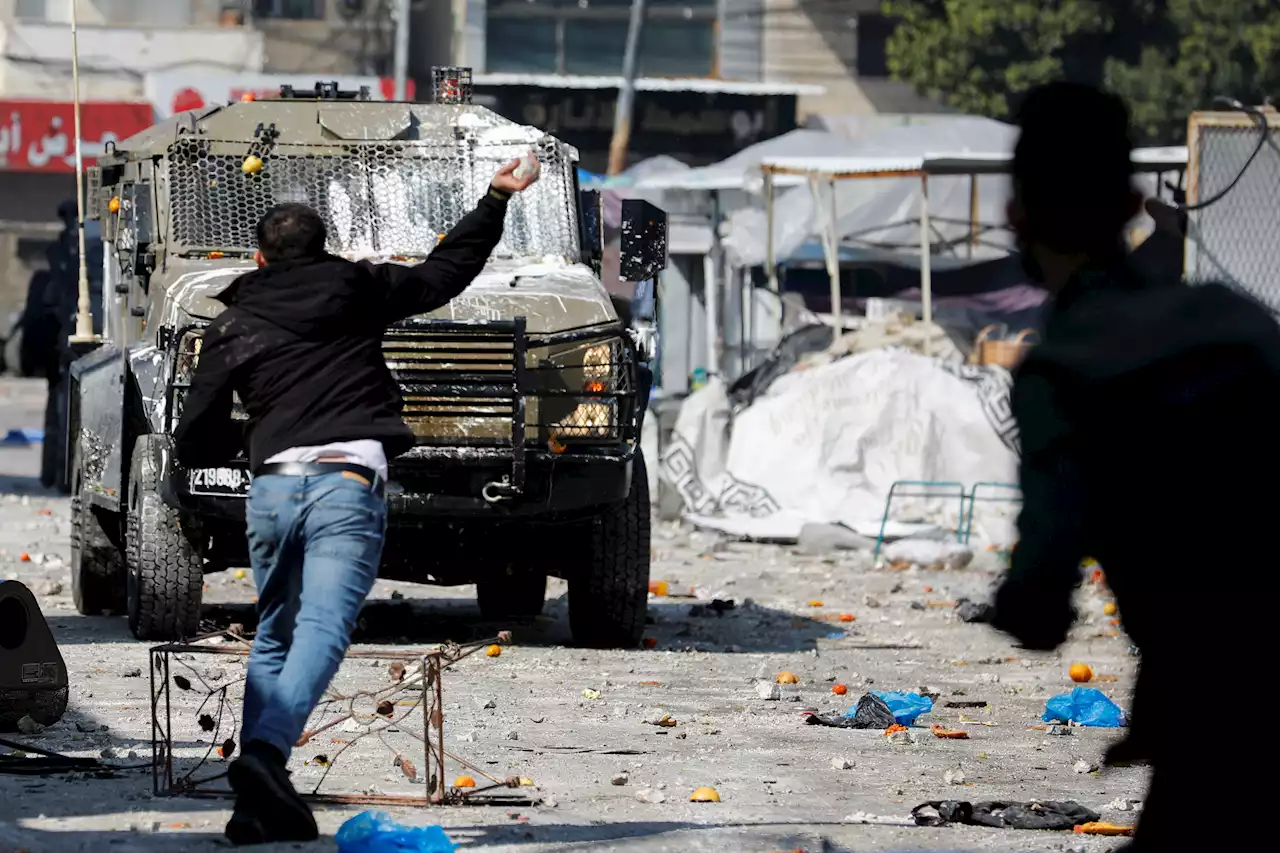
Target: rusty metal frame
427 671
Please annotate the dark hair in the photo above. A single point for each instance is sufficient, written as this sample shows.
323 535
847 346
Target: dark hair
291 232
1073 166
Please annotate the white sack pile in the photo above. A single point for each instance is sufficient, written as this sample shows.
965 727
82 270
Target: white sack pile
824 444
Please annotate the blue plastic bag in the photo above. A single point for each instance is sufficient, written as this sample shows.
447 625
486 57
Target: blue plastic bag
1086 707
376 832
906 707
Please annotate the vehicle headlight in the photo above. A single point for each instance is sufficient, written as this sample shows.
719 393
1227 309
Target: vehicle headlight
597 361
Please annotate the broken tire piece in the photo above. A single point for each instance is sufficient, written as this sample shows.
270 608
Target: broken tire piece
1048 815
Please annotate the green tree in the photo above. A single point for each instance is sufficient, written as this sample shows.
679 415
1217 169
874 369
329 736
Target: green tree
1166 57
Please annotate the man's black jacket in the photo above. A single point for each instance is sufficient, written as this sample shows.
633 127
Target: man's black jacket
301 343
1147 422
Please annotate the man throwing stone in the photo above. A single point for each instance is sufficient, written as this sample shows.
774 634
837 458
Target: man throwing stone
300 342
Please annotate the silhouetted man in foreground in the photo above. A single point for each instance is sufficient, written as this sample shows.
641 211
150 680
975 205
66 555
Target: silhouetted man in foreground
1148 442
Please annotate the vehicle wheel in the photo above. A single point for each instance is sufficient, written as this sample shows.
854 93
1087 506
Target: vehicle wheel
512 595
97 566
609 595
165 570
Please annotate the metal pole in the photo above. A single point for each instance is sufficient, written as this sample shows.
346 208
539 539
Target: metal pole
973 214
84 308
926 272
829 255
771 263
626 92
711 289
402 50
833 235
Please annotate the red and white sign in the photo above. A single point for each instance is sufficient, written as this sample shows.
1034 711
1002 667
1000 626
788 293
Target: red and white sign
36 136
178 91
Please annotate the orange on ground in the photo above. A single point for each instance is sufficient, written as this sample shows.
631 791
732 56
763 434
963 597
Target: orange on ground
1081 673
1102 827
817 602
928 589
650 642
26 558
948 734
464 782
787 678
1110 608
705 795
839 689
658 588
847 617
493 651
894 729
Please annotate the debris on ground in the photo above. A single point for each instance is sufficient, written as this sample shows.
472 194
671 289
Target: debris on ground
905 707
1081 766
376 832
818 539
871 712
787 678
28 726
718 607
841 764
650 795
974 612
1101 827
944 733
954 776
1060 816
619 779
769 691
1084 706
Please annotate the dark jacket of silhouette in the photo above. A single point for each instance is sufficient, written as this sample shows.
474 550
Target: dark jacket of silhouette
1149 442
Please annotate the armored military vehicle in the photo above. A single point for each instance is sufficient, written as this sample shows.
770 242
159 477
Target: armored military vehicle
526 393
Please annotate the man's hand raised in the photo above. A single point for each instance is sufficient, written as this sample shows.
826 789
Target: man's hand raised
518 175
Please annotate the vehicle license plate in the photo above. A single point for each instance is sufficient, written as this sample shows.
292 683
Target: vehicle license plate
218 481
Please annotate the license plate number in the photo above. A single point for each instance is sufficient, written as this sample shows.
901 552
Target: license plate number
218 481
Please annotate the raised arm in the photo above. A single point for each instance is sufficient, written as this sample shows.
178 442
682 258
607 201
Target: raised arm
460 256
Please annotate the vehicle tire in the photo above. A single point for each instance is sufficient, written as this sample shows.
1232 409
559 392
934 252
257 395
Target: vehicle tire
165 570
609 594
97 566
513 594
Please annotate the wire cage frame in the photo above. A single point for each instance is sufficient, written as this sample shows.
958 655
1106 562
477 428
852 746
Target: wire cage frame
412 673
1233 240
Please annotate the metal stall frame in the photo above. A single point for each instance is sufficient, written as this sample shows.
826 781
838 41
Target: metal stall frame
819 170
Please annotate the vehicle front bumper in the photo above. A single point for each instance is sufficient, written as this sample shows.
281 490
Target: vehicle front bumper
434 482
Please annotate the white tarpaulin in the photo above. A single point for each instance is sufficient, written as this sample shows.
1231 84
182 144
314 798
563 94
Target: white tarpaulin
824 445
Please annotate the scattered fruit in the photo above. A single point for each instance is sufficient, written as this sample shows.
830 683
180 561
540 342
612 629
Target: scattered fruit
464 782
847 617
248 98
817 602
948 734
1081 673
26 558
114 205
1101 827
493 651
705 795
526 782
658 588
650 642
1097 577
894 729
252 165
928 589
839 689
787 678
241 574
1110 608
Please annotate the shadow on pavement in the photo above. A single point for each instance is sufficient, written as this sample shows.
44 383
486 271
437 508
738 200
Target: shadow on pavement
674 625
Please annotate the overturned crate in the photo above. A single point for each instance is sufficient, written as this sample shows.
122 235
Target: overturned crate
383 708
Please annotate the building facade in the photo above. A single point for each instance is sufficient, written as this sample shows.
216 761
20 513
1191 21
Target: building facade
837 45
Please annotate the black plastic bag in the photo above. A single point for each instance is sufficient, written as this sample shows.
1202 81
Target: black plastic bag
871 713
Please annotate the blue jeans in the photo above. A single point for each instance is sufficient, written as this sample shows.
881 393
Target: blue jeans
315 545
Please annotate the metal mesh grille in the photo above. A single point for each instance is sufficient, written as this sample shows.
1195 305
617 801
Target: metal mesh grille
1234 240
378 199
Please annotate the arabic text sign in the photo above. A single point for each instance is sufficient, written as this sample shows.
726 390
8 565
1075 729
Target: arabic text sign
37 136
178 91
